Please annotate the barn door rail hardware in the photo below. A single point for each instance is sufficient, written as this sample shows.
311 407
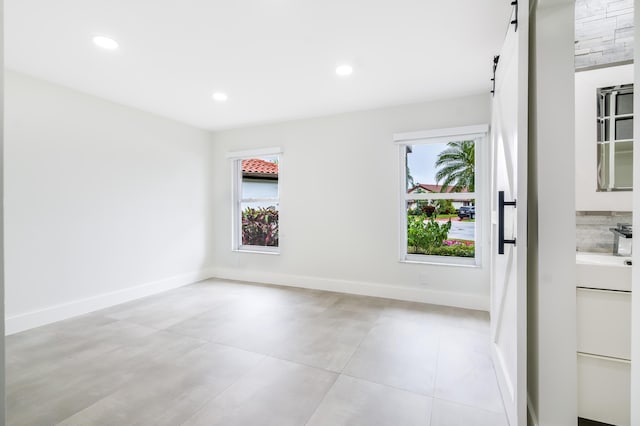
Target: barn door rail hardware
514 3
496 58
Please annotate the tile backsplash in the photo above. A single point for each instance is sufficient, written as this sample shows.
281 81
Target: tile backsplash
592 229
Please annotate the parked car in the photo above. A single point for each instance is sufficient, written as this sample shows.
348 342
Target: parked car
467 211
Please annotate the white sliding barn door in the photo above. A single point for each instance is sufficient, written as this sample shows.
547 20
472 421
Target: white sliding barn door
509 183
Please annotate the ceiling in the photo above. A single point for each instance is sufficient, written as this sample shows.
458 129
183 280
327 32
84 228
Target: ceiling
275 59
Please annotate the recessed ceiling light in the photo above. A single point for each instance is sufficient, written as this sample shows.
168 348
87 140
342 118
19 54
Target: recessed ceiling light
344 70
219 96
105 42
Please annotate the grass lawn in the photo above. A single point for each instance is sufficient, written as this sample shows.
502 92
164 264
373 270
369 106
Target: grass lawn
447 216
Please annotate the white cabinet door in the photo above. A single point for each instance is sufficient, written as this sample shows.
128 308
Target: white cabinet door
604 323
604 390
604 276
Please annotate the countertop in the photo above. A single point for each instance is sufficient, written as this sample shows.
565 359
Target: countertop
604 259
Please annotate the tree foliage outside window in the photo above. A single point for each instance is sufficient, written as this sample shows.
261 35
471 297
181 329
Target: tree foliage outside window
457 166
423 235
260 227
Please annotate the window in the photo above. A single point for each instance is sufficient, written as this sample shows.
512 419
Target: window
256 201
615 138
440 203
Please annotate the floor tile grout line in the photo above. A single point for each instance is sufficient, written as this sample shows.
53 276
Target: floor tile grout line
340 373
125 383
242 376
117 347
281 358
435 378
200 343
177 366
271 353
133 321
387 385
364 337
483 354
463 404
324 396
268 355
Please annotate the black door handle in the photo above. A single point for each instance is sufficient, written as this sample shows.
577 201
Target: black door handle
501 204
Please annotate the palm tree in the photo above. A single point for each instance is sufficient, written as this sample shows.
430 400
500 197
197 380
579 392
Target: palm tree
456 166
410 181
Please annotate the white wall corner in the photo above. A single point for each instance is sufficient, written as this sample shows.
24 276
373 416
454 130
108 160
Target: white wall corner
37 318
361 288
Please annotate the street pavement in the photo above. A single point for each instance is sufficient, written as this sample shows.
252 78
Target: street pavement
462 230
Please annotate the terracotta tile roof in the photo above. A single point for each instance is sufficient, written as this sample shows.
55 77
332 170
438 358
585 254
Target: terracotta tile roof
430 188
259 167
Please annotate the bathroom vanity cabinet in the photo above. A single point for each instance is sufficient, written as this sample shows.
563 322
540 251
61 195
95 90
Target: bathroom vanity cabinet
603 293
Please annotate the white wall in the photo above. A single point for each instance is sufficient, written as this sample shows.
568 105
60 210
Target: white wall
2 363
586 83
103 203
551 352
635 295
339 201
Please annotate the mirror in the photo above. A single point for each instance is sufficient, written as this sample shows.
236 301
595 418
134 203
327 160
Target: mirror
615 138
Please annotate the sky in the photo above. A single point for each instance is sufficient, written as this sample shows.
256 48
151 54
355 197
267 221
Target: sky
422 162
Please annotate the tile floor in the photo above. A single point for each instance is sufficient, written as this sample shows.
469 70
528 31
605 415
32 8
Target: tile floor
225 353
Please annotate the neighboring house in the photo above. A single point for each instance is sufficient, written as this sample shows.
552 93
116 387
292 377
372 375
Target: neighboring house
427 187
259 180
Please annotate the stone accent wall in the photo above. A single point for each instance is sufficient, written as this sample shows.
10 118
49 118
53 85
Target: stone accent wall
592 230
604 32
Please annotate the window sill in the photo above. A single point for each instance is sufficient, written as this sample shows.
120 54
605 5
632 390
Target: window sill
256 251
443 261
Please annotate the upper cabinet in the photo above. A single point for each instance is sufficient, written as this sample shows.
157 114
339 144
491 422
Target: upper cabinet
604 138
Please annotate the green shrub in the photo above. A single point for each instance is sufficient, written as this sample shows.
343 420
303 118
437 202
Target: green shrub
428 210
260 227
444 207
424 235
454 250
414 212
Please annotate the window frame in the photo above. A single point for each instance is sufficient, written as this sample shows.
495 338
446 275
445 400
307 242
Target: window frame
237 200
479 134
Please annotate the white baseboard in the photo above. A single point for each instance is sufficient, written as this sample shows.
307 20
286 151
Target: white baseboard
29 320
411 294
532 418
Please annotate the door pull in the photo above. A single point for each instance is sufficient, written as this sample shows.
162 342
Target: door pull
501 204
